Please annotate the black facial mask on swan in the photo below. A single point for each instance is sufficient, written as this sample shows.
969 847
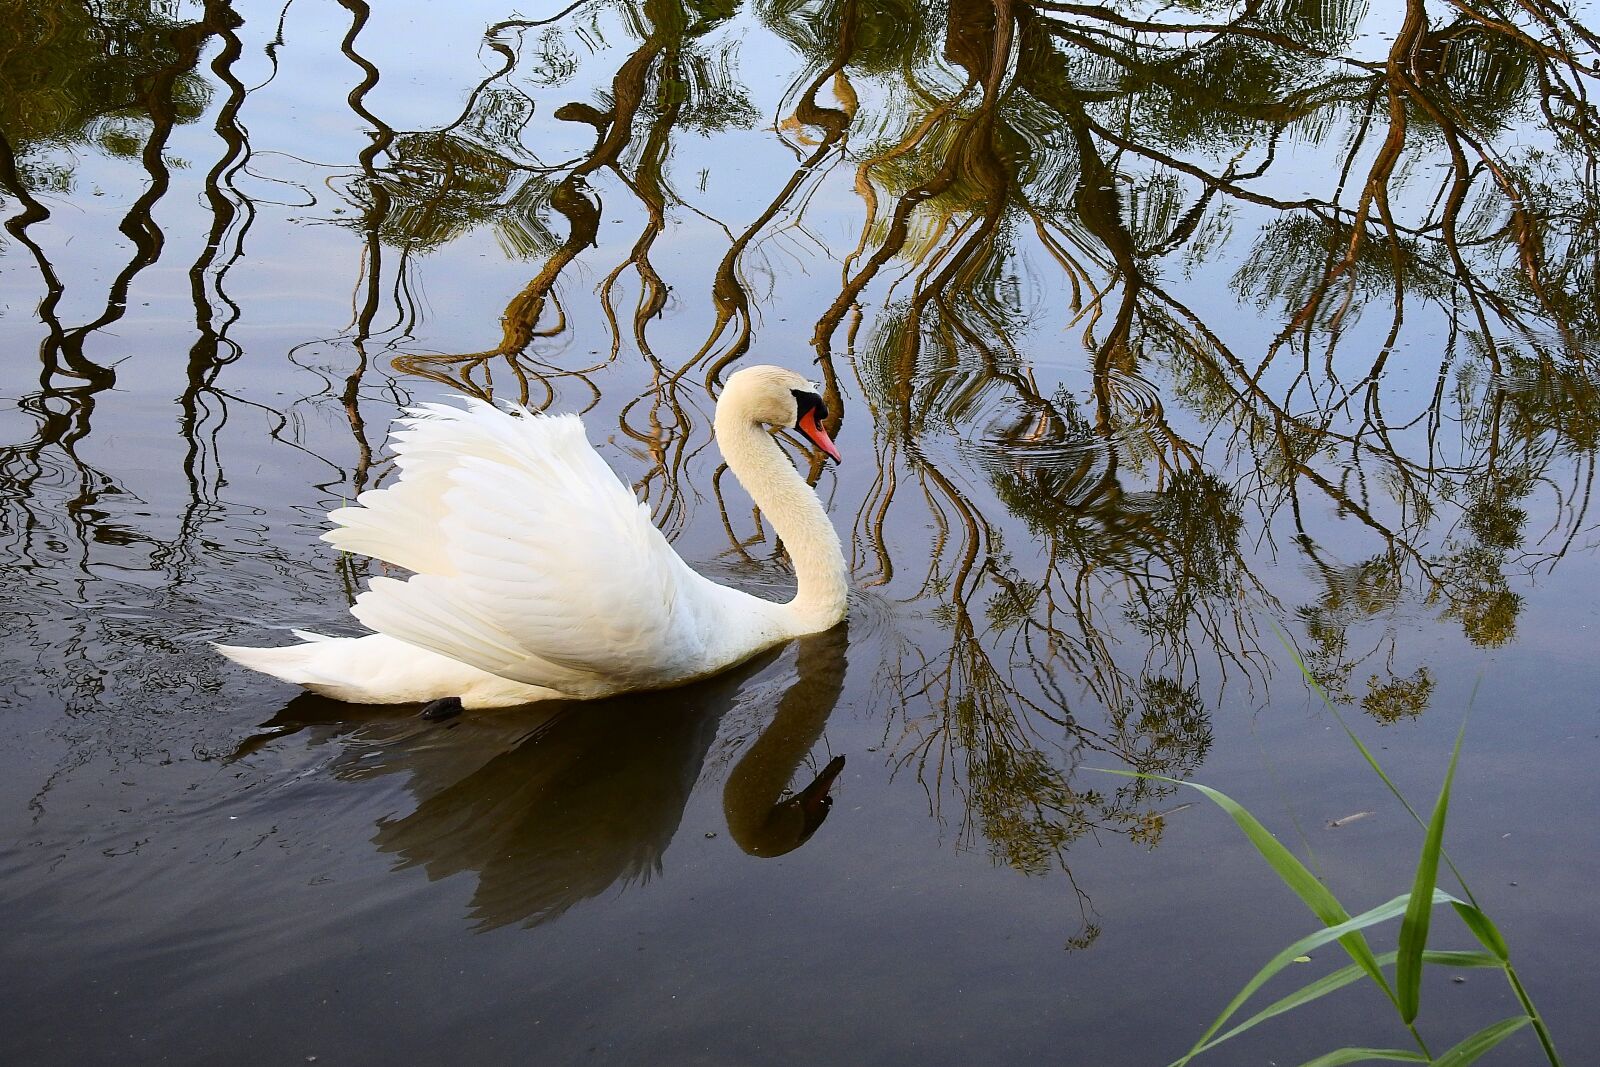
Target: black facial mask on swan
810 413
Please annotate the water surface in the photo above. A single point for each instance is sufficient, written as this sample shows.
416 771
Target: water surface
1152 334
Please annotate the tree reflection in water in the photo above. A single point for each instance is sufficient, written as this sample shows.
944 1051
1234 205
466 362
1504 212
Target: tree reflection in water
1083 450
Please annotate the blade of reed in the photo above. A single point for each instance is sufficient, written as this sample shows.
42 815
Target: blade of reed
1469 1050
1382 913
1366 753
1365 1055
1419 911
1323 904
1484 930
1304 995
1460 960
1338 980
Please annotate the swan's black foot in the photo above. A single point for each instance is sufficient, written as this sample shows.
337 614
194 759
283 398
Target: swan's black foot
442 709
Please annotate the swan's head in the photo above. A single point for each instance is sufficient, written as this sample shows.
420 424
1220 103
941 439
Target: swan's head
789 823
779 397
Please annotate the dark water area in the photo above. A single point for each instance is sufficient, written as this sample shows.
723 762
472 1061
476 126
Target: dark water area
1159 340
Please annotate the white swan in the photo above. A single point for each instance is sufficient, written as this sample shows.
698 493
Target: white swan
538 575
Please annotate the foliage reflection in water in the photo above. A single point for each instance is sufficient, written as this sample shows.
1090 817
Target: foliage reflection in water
1148 324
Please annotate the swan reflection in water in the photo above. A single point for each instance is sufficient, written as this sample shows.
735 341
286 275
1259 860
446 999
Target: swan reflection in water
557 808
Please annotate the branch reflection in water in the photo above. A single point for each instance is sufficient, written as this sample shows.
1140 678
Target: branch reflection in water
1160 327
1024 134
551 808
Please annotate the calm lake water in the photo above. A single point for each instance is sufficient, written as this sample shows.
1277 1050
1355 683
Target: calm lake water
1157 336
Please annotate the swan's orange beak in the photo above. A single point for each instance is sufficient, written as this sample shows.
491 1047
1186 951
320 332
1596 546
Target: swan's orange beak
813 430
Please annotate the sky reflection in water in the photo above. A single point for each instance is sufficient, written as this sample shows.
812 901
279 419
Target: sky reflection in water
1143 334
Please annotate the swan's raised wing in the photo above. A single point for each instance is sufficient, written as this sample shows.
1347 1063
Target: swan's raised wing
533 561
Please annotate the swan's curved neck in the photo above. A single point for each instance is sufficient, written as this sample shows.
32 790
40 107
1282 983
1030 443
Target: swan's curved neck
760 821
795 513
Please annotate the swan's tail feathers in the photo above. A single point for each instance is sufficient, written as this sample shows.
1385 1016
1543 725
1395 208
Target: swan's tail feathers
290 663
377 669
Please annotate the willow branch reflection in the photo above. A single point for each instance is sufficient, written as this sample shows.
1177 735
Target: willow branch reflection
1114 146
86 89
141 71
548 809
1136 307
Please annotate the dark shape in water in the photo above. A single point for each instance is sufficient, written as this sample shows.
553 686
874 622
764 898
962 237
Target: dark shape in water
557 803
440 710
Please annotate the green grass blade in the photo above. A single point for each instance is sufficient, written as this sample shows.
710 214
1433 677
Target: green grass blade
1323 904
1366 753
1546 1041
1365 1055
1419 912
1474 918
1338 980
1484 930
1482 1041
1459 959
1382 913
1327 701
1304 995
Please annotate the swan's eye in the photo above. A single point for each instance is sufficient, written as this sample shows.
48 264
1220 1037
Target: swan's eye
805 402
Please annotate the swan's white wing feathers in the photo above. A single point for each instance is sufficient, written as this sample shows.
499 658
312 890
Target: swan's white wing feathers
399 523
534 562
